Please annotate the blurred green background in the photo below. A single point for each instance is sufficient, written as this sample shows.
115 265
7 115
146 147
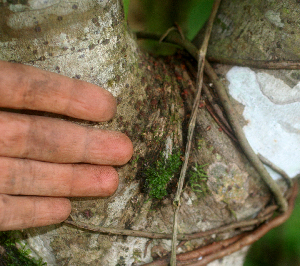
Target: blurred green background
158 16
280 246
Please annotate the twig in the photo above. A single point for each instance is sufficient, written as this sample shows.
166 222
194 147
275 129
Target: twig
117 231
276 169
268 210
181 244
251 237
200 252
210 249
256 63
201 60
263 216
221 125
226 247
206 250
173 38
214 110
253 158
146 247
179 30
166 34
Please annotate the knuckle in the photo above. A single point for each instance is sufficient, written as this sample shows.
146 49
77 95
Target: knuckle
13 131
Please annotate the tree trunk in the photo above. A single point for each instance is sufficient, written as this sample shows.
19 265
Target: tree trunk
89 40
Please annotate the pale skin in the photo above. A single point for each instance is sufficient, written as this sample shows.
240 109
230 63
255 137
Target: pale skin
44 160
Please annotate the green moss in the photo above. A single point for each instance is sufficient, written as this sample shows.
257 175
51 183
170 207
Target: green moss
158 176
14 256
197 179
285 11
135 159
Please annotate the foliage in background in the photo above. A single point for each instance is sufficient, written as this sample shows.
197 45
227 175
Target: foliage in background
126 8
159 175
13 256
198 13
159 16
190 15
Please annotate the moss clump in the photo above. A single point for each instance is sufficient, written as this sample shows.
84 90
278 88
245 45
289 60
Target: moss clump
10 255
197 179
158 176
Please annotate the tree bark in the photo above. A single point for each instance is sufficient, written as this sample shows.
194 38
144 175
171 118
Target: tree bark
89 40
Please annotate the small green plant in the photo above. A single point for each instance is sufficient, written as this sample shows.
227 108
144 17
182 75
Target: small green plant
135 160
158 176
13 256
198 178
200 143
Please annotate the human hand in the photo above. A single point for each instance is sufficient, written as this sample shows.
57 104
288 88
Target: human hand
38 155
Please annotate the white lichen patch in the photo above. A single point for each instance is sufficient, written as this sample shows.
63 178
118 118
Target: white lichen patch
276 90
228 184
169 147
272 112
116 207
39 245
187 198
32 5
39 12
274 18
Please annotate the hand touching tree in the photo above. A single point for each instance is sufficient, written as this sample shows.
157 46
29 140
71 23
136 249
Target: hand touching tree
38 155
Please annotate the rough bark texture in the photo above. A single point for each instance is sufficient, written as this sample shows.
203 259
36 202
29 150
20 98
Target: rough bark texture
261 30
258 30
89 40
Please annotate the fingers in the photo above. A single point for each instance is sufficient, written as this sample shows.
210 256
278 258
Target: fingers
26 87
52 140
27 177
19 212
48 143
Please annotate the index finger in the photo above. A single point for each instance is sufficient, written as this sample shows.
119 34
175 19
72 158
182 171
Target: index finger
27 87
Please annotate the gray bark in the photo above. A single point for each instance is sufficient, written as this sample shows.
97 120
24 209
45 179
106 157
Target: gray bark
89 40
261 30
